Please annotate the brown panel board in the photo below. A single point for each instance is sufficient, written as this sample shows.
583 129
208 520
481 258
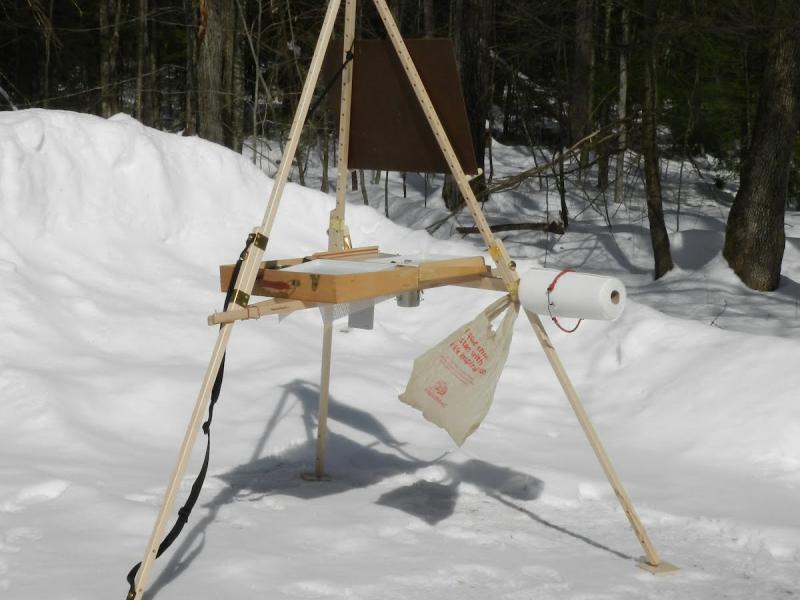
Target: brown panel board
388 130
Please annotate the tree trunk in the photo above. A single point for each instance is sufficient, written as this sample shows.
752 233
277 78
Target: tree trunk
398 8
622 107
754 237
109 46
580 106
363 187
237 97
655 210
140 58
152 95
191 62
48 44
324 141
210 70
471 26
605 107
232 76
429 18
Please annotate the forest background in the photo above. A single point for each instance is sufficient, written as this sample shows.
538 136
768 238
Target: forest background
586 79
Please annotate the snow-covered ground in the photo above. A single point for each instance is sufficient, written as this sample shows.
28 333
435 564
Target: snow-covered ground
110 238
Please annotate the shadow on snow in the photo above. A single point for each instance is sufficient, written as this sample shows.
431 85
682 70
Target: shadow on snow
355 466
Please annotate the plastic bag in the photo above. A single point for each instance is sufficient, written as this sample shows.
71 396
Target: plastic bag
453 383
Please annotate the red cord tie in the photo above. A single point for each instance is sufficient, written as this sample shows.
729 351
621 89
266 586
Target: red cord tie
550 288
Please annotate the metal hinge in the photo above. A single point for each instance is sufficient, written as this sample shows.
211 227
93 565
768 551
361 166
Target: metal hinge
241 298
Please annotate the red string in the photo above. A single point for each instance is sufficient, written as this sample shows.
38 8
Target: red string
550 288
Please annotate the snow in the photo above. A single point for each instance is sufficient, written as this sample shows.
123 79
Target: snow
110 238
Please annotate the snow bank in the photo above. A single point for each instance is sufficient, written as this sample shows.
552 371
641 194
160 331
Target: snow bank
110 237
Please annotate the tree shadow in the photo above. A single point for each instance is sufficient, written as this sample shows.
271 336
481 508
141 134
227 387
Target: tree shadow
589 251
355 465
693 249
711 191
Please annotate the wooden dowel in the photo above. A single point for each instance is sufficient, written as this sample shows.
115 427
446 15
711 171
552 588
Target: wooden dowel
273 306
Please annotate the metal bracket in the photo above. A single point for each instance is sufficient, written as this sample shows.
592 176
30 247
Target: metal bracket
258 239
513 290
241 298
336 223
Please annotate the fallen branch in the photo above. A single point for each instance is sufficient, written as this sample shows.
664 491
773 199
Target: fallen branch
552 227
593 139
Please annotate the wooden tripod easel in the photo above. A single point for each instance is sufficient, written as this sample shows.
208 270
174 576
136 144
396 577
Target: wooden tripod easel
338 239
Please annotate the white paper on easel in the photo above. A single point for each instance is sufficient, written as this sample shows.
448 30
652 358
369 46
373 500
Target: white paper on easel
453 383
576 295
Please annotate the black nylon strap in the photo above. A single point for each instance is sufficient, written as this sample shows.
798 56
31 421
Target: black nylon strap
194 493
329 85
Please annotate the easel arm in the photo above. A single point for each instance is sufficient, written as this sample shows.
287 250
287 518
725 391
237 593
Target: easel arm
274 306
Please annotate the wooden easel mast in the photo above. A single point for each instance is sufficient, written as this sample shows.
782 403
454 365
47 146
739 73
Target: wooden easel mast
338 235
338 239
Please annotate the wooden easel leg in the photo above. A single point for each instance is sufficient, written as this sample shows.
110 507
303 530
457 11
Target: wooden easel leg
324 394
244 285
652 562
201 406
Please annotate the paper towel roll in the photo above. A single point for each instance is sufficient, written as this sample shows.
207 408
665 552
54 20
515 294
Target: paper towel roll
577 295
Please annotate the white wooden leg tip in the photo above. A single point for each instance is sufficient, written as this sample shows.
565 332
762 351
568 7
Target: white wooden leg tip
662 568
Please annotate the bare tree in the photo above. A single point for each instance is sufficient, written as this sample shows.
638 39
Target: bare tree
471 26
622 105
755 238
109 48
580 106
655 211
191 62
604 108
429 18
141 45
214 66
